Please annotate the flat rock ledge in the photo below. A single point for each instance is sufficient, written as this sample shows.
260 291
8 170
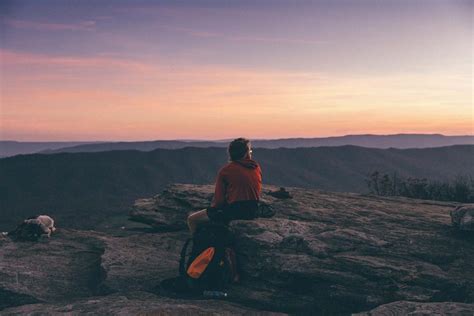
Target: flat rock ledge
135 303
322 253
80 272
327 252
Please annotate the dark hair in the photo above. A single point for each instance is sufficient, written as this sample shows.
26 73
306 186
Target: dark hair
238 148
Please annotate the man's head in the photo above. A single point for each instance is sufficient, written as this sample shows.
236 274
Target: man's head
239 148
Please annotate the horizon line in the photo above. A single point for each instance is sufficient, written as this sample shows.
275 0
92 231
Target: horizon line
228 139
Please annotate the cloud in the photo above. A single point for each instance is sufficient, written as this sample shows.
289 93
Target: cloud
273 40
88 25
13 58
242 38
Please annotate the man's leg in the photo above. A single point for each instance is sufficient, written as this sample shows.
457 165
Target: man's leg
197 218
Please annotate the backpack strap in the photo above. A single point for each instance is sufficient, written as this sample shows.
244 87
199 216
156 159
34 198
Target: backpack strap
182 268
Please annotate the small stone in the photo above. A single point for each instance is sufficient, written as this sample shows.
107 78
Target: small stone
462 217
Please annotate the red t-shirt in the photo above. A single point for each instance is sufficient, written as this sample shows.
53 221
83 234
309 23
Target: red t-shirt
239 180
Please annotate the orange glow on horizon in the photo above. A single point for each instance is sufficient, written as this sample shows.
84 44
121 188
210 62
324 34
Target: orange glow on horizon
54 98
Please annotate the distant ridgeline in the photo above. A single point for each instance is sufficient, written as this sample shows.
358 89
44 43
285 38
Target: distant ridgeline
459 189
11 148
84 189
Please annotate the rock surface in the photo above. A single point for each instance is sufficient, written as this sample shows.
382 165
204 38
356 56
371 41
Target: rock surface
419 309
462 217
90 272
322 253
336 252
66 266
135 303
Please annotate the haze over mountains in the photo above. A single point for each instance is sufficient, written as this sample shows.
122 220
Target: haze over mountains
11 148
82 189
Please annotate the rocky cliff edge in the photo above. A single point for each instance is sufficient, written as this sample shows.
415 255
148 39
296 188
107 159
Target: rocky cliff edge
322 253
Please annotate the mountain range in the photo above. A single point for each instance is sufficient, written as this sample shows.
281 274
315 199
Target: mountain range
84 189
11 148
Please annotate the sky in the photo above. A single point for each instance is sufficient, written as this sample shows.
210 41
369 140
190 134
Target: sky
145 70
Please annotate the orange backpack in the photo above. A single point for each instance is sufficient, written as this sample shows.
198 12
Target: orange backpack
212 263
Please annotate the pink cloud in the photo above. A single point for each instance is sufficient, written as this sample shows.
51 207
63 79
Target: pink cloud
9 58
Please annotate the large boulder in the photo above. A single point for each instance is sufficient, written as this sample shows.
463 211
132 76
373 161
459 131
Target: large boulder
337 252
462 217
89 272
66 266
74 264
168 210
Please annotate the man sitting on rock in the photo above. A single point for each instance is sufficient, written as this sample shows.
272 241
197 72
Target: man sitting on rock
237 191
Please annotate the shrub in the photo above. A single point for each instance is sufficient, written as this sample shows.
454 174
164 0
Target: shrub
460 189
